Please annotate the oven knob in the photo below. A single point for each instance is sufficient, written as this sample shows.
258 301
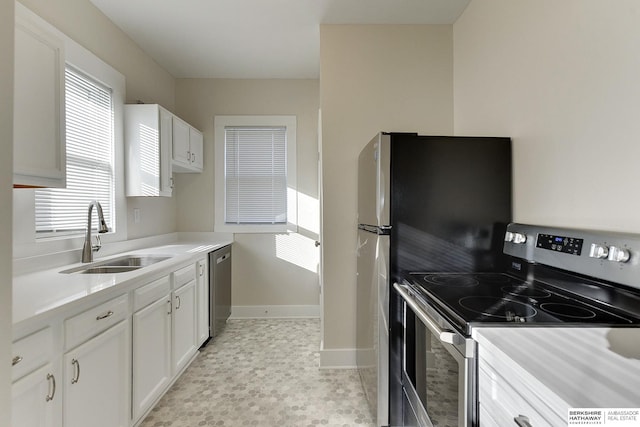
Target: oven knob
599 251
519 238
508 236
618 254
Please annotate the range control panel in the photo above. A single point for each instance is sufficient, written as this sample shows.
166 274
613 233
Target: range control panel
568 245
606 255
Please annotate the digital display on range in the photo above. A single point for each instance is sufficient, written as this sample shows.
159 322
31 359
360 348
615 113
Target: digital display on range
567 245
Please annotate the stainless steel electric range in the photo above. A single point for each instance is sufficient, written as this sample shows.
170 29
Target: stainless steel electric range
554 277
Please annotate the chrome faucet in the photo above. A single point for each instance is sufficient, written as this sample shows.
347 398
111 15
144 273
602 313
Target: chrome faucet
88 249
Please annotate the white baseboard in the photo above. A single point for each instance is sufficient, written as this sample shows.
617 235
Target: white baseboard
274 311
341 358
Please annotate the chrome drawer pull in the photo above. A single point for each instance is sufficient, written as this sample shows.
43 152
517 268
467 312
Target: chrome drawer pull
52 381
104 316
76 365
522 421
16 360
179 302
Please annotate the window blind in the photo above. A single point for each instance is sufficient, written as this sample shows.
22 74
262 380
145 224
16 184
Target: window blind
256 175
90 175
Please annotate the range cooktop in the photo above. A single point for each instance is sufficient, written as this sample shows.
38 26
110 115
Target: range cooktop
468 300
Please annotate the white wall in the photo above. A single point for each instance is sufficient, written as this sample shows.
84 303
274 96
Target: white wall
563 80
145 80
268 269
372 78
6 182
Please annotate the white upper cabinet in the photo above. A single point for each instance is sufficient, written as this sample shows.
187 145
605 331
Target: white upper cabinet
158 143
148 142
187 148
39 110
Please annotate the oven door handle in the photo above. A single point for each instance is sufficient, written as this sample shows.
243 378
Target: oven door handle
444 336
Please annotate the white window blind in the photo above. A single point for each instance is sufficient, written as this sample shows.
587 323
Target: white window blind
255 174
90 175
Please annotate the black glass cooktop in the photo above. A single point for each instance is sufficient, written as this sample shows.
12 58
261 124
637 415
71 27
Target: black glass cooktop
470 299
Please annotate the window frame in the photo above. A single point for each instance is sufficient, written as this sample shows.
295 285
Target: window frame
113 223
222 121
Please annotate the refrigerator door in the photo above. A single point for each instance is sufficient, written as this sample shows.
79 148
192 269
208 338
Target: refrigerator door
372 321
374 165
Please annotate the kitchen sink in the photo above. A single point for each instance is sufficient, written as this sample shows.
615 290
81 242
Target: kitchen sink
107 269
117 265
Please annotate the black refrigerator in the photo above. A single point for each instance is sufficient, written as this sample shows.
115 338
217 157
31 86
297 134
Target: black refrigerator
425 203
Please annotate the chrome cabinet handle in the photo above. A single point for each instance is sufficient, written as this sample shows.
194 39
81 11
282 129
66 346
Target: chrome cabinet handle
105 315
76 366
170 307
522 421
179 302
16 360
193 157
444 336
52 387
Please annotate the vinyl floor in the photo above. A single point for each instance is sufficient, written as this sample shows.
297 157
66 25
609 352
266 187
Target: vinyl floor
263 373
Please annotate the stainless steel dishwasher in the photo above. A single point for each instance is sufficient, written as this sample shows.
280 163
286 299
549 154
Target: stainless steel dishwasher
219 289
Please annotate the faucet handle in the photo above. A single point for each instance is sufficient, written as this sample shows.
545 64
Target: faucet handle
98 245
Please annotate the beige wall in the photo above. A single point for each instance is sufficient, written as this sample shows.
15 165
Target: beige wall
145 80
269 269
562 79
373 78
6 178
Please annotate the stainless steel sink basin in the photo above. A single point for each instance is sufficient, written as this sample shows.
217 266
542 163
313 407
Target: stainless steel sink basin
133 261
118 265
108 269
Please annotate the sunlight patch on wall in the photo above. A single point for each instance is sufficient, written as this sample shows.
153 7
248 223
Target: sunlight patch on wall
298 250
308 213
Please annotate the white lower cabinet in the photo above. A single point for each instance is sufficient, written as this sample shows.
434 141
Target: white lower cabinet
505 395
108 365
202 281
151 354
35 399
184 325
97 380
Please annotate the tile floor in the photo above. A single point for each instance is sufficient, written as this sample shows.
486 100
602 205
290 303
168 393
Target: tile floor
263 373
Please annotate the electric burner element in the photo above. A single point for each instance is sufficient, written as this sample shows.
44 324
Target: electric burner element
568 310
526 291
457 280
502 308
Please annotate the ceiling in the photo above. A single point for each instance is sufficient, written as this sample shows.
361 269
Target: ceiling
255 38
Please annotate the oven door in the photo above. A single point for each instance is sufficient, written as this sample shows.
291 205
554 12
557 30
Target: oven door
439 369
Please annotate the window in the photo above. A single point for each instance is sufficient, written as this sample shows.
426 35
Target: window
255 173
90 160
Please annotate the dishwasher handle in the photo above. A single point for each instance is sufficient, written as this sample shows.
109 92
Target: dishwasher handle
223 258
443 336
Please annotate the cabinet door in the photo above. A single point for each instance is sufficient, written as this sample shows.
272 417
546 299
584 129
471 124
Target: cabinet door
181 154
36 400
151 354
39 118
196 148
203 301
166 142
184 325
97 380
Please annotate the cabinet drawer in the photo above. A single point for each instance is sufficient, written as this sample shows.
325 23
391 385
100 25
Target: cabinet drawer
184 276
147 294
31 352
93 321
504 398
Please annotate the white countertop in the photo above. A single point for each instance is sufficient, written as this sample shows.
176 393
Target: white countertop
575 367
44 293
